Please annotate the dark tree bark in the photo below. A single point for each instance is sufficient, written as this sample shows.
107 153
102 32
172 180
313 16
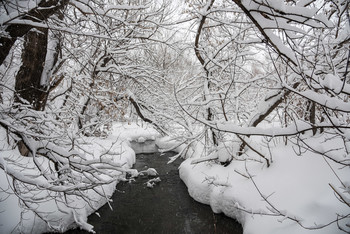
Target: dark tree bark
45 9
28 85
311 114
28 78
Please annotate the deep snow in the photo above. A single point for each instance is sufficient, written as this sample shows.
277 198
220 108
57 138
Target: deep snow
117 143
266 200
295 186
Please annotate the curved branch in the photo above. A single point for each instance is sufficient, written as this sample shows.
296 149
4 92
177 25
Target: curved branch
262 31
198 34
140 114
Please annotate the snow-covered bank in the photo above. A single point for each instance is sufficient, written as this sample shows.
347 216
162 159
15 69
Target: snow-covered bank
16 218
269 200
263 200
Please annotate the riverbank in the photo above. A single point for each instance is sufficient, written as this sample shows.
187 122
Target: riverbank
292 196
16 218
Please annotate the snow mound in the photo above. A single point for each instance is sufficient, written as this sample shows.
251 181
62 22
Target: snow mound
269 200
149 172
114 149
152 182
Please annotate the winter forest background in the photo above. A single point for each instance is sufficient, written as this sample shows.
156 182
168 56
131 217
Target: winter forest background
255 88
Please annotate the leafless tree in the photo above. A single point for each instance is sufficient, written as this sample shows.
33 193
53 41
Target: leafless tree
303 83
77 58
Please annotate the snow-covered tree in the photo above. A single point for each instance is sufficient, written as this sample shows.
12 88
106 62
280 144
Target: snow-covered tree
300 54
246 72
67 68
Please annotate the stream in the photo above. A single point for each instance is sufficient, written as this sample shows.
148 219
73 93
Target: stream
165 208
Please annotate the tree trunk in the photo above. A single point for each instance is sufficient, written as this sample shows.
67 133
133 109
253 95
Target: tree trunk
311 115
42 12
210 116
33 79
28 79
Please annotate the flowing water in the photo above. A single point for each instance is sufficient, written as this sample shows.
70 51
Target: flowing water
165 208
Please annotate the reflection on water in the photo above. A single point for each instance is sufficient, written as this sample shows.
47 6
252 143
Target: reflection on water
166 208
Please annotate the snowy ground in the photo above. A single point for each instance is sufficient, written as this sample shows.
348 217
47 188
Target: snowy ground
10 211
293 186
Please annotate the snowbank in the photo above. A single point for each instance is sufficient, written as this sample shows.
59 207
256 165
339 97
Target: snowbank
134 132
263 200
293 187
16 219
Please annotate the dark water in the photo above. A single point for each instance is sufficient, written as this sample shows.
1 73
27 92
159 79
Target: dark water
166 208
